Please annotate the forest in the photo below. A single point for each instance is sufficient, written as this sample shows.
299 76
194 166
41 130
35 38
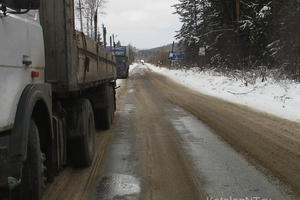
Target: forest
241 35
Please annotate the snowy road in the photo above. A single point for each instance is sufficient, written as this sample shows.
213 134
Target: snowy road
277 97
158 149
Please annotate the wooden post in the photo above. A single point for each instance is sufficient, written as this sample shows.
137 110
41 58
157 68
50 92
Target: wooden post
96 24
110 41
114 43
80 16
88 24
104 35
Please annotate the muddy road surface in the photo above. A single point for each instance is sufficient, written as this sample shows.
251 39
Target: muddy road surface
171 143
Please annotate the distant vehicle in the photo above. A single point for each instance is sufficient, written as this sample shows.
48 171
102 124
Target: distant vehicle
122 60
57 85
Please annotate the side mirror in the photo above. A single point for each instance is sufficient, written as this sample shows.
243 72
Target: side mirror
21 4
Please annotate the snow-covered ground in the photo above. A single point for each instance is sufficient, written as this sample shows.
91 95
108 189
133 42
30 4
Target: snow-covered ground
278 98
138 69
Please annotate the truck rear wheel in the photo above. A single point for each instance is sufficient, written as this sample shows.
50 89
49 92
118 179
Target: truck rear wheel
33 177
81 150
105 116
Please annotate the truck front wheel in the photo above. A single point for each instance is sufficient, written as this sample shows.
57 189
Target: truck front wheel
32 181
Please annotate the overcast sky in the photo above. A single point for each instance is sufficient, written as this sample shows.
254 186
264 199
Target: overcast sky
143 23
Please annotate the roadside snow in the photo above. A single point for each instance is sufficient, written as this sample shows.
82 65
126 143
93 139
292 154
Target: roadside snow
133 66
278 98
119 82
138 69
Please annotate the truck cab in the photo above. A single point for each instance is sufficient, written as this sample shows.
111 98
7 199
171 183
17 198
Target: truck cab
22 61
122 59
24 93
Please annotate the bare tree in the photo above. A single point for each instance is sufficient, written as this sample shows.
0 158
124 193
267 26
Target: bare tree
86 12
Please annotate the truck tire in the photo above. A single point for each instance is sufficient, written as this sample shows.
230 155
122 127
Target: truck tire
81 150
33 179
105 116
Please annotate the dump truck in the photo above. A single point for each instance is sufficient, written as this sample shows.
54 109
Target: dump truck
57 86
122 59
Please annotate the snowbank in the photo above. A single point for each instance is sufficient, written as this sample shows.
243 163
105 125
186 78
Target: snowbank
131 67
278 98
138 69
119 82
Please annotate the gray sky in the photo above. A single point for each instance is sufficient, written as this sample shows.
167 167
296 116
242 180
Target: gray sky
143 23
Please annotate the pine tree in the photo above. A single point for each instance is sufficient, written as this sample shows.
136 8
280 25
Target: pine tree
267 32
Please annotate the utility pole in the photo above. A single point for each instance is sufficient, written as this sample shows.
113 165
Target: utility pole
171 56
173 45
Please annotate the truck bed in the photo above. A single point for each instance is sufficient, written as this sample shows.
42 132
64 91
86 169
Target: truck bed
101 64
74 62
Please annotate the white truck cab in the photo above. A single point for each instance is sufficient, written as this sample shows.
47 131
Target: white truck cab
23 91
22 61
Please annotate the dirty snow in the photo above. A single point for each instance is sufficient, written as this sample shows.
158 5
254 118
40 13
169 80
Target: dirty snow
138 69
278 98
119 82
